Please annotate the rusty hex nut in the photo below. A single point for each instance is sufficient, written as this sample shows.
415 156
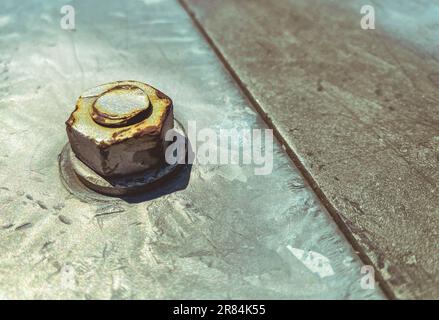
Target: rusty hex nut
118 128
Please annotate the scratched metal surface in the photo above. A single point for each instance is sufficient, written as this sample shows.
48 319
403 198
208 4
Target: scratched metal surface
226 234
358 109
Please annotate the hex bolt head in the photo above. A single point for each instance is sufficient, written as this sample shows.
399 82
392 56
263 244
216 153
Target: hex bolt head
118 128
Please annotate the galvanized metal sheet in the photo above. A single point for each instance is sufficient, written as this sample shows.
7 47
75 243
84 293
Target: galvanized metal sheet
357 108
218 231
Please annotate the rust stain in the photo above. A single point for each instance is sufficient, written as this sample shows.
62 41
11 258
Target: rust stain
120 118
109 119
134 126
71 120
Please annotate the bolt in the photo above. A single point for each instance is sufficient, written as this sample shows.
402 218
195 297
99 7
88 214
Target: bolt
118 128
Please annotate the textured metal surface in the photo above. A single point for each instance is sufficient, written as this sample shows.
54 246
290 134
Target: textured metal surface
226 234
358 109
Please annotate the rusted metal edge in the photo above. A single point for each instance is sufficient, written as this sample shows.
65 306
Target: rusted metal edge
388 292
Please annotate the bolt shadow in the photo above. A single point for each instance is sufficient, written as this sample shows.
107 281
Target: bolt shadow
175 182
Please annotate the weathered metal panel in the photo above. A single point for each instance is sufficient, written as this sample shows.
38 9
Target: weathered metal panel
216 232
358 110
